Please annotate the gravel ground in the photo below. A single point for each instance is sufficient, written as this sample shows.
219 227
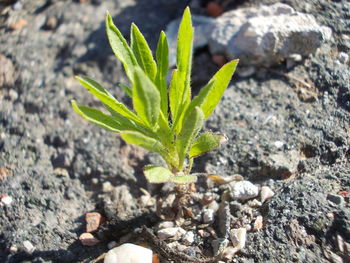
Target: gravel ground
56 166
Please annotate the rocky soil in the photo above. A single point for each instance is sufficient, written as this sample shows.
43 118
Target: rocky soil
288 128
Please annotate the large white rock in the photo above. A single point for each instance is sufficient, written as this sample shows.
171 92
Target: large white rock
129 253
243 190
265 35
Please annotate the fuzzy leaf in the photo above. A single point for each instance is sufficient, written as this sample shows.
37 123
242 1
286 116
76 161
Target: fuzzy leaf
205 143
157 174
96 117
142 52
146 98
162 70
210 95
184 179
107 99
143 141
120 47
174 95
184 58
192 125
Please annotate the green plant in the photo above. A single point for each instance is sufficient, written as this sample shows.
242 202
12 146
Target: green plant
164 120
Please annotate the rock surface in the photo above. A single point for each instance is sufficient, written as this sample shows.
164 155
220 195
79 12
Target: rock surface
266 35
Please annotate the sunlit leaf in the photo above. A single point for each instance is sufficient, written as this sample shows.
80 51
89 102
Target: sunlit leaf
184 179
162 70
142 52
107 99
143 141
120 47
156 174
192 126
97 117
146 98
205 143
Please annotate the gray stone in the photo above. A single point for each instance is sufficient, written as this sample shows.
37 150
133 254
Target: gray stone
336 199
208 216
266 35
219 245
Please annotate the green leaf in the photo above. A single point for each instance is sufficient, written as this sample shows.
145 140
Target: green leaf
96 117
174 95
162 54
126 89
210 95
157 174
120 47
205 143
184 179
142 52
184 58
143 141
146 98
192 125
107 99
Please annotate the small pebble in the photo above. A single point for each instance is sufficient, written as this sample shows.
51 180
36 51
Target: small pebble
214 206
254 203
243 190
343 58
175 233
13 94
166 224
13 249
19 24
279 144
88 239
28 247
188 238
219 245
238 237
51 23
213 9
129 253
107 187
6 200
336 199
93 221
258 223
61 172
266 193
208 216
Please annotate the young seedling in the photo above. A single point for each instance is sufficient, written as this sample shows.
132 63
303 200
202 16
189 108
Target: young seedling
164 120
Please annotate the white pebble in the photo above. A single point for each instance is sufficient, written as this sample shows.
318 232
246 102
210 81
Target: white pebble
188 238
266 193
279 144
129 253
214 206
107 187
166 224
238 237
28 247
174 233
243 190
208 216
6 200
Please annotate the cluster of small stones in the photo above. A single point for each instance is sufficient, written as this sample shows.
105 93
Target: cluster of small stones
217 220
